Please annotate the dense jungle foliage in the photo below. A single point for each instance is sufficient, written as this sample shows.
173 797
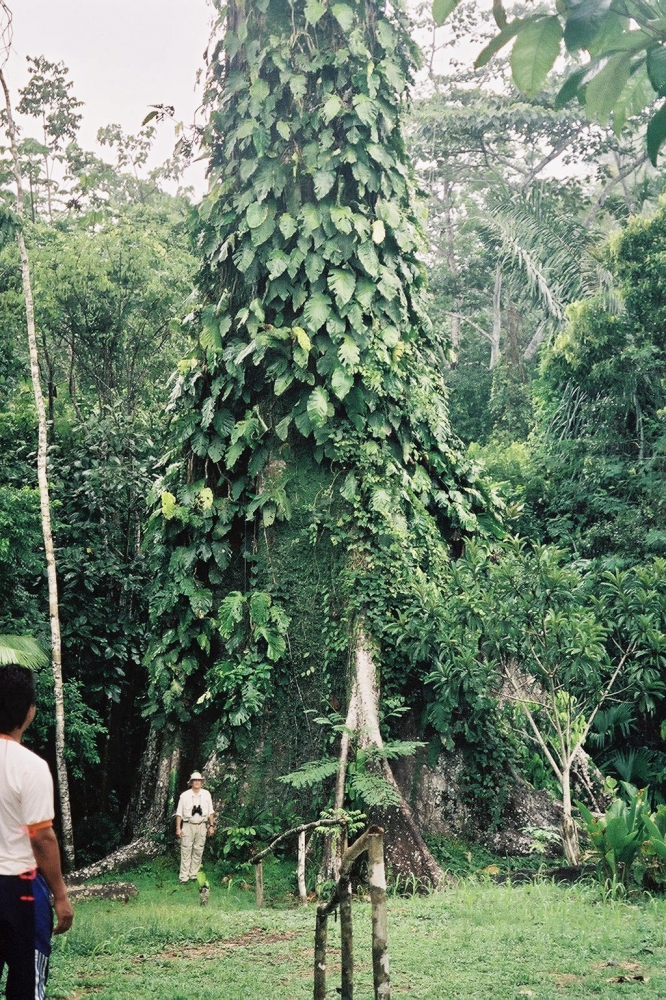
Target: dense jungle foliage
396 382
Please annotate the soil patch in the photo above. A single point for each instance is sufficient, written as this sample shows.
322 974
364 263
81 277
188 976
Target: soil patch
215 949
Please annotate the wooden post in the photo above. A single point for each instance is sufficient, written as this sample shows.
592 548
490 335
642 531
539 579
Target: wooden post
321 930
302 892
346 938
259 883
371 841
377 879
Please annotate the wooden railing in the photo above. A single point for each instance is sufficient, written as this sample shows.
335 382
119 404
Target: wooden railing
301 830
371 841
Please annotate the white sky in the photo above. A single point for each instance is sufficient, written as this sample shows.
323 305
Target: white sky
123 55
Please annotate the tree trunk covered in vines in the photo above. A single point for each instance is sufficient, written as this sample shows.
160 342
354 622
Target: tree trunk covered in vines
312 411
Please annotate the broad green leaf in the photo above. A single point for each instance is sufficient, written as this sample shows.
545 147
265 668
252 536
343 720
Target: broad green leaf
366 109
260 603
323 182
656 133
282 383
584 21
223 422
534 52
386 35
381 501
230 612
341 382
244 258
263 232
656 68
317 406
314 265
390 336
284 130
282 428
342 218
342 284
349 353
256 215
311 218
314 11
611 35
344 15
365 292
209 338
368 258
636 95
442 8
605 88
278 263
378 231
659 847
349 487
571 86
287 225
499 41
316 310
332 107
259 91
234 453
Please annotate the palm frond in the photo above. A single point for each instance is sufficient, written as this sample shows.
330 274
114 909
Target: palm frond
22 651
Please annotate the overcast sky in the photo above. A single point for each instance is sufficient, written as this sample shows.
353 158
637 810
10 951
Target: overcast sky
123 55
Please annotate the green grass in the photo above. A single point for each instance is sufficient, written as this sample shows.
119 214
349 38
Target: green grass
478 940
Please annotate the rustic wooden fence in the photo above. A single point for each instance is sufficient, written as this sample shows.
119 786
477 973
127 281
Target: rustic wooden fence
371 841
301 830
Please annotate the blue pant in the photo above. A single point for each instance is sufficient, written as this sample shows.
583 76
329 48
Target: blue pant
26 922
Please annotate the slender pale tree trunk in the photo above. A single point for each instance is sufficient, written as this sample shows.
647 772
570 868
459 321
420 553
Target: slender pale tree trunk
454 268
497 318
569 829
42 476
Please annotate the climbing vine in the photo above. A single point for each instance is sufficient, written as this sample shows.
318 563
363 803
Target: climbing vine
314 359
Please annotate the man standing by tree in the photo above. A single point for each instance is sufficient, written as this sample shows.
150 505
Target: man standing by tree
194 816
29 853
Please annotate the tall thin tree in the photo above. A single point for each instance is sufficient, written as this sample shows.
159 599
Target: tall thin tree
42 476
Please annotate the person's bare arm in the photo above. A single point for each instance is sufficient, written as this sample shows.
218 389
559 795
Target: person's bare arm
179 826
47 855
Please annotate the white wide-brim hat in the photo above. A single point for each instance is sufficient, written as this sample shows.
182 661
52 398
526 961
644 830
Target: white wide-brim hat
195 776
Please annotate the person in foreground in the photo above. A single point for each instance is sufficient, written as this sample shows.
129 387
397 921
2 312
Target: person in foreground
194 817
29 853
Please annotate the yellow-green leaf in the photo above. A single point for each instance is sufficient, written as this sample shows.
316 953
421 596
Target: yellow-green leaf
378 231
442 8
534 52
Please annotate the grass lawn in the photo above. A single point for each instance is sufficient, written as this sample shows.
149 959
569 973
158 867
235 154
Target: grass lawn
478 940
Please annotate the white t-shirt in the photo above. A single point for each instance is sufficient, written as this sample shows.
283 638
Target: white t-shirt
189 800
26 801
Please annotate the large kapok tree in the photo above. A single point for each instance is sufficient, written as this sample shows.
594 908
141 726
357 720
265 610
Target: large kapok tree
312 408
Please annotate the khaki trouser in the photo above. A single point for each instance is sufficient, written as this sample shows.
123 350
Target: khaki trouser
191 849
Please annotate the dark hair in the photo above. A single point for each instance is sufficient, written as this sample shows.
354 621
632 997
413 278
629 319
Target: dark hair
17 695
